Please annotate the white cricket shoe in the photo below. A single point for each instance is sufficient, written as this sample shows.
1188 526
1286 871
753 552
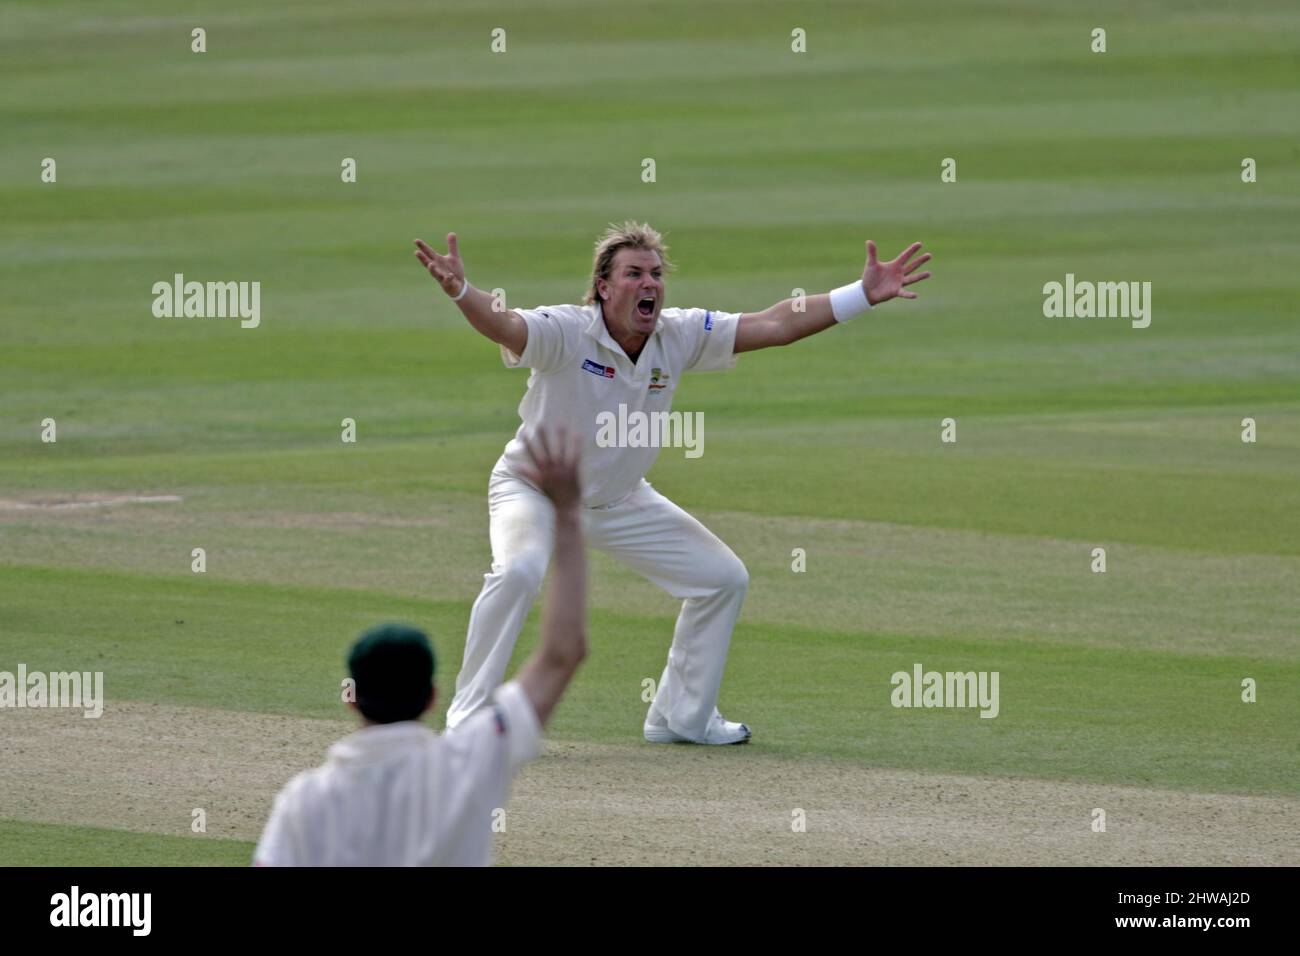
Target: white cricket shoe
720 731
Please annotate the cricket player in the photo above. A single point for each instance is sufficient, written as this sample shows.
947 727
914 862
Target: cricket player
621 347
395 793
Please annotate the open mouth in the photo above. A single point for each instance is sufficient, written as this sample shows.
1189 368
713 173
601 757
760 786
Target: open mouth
646 307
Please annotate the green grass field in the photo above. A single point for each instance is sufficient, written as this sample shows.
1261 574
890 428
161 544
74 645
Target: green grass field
772 168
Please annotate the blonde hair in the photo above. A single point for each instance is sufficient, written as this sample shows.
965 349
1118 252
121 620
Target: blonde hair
630 235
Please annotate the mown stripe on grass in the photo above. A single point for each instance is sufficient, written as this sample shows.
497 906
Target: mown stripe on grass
48 844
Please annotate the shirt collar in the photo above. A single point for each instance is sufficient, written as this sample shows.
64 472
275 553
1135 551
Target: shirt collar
597 329
378 741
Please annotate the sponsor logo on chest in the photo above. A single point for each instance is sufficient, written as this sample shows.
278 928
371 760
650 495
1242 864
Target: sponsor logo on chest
595 368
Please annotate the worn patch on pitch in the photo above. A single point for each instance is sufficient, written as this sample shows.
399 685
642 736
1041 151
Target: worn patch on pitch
146 767
82 500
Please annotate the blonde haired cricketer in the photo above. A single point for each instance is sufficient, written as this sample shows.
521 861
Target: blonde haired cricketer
622 347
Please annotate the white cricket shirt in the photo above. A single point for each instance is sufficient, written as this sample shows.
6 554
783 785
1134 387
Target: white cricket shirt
401 795
579 371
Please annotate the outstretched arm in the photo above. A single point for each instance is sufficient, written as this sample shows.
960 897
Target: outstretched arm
554 469
781 324
504 328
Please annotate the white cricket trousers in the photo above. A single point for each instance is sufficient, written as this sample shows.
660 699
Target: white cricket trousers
649 534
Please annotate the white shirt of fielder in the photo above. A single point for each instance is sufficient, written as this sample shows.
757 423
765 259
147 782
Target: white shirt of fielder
401 795
579 371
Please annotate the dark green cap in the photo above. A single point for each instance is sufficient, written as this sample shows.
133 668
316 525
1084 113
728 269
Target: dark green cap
393 666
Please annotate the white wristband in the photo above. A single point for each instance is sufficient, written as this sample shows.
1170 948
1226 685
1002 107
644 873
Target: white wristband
464 287
848 301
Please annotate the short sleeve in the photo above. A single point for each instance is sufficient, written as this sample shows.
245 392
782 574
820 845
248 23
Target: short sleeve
507 725
522 727
545 349
710 339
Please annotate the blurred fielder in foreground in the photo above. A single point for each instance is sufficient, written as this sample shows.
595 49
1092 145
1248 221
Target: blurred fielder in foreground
395 793
620 356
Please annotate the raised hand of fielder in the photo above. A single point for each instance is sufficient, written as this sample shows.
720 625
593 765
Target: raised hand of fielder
554 453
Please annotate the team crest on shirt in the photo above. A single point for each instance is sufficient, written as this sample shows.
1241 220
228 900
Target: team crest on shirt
595 368
658 380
